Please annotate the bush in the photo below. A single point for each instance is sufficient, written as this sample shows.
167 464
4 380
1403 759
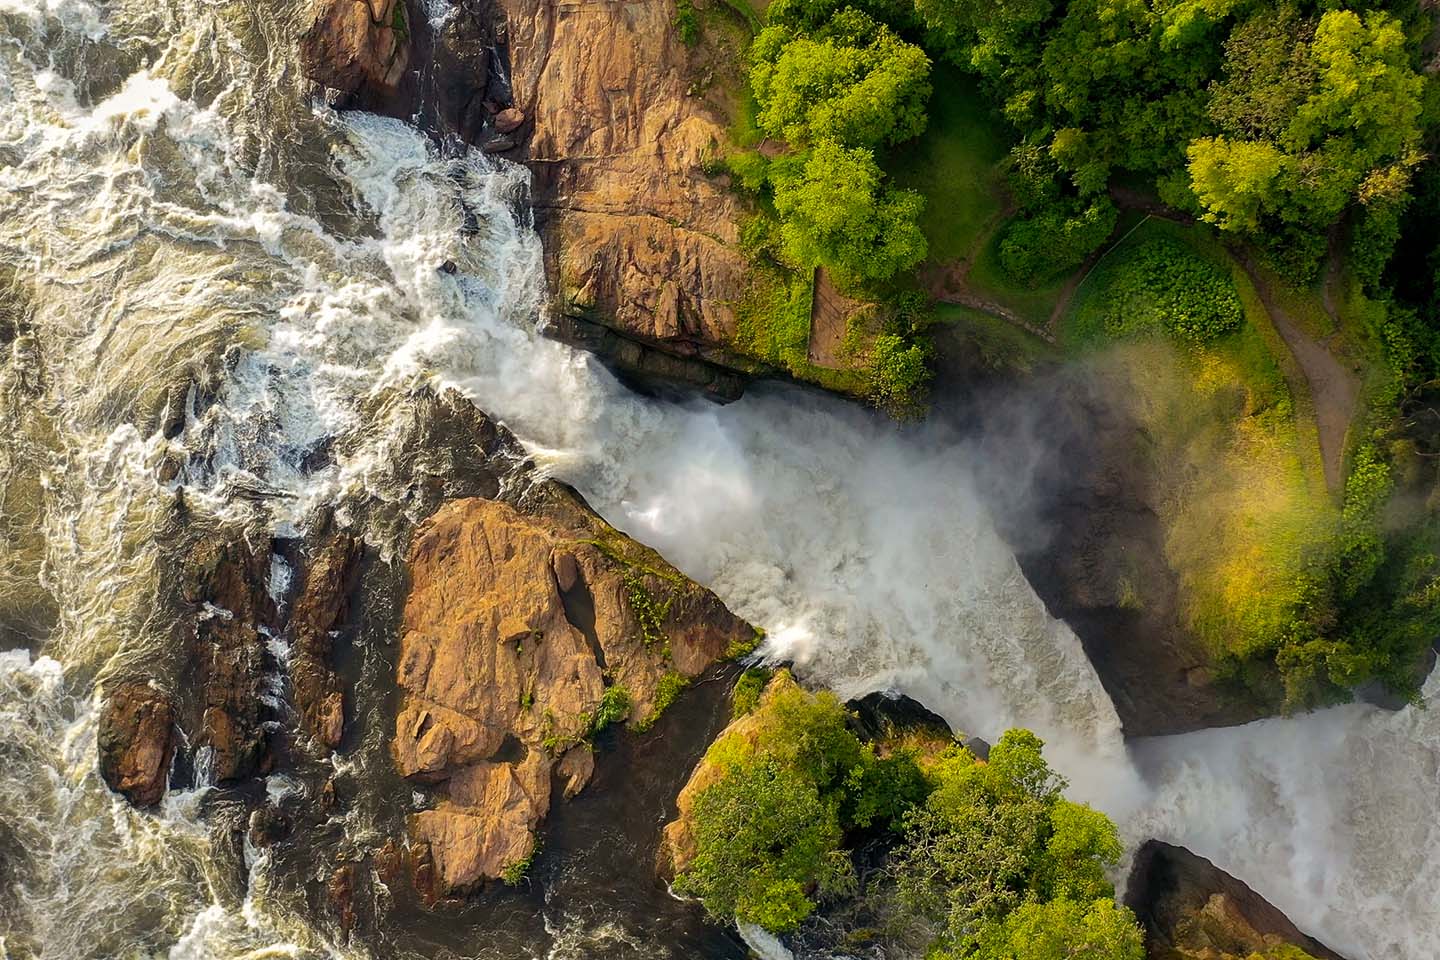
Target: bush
614 708
687 22
747 691
1055 239
1164 285
749 168
900 375
667 691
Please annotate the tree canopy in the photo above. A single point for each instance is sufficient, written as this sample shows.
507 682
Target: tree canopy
837 212
852 81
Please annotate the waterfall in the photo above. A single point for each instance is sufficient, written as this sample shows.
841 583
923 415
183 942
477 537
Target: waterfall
202 267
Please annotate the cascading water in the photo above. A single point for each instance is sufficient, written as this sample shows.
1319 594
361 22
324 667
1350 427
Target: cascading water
204 269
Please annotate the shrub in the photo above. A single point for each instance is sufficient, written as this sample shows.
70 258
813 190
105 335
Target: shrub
1055 239
747 691
667 691
1164 285
687 22
749 168
614 708
900 375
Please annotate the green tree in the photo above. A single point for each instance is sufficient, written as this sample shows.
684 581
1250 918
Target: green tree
1314 117
994 837
764 836
1063 930
837 213
852 80
770 830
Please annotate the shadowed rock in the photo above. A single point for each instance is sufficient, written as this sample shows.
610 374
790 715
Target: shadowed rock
1193 910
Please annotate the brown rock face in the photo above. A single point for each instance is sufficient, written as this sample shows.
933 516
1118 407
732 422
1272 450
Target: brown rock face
1193 910
514 628
638 239
358 47
137 741
318 609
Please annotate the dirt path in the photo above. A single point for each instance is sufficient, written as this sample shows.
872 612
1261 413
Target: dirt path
950 283
1334 388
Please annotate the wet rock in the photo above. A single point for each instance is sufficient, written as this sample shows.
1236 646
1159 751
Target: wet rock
225 587
468 70
329 796
515 625
137 741
575 769
498 145
340 893
509 120
358 47
1193 910
318 610
879 715
487 824
268 826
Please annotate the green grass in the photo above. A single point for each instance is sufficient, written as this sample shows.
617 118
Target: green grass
1243 498
1000 344
955 165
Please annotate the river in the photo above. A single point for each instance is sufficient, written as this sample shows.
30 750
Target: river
178 218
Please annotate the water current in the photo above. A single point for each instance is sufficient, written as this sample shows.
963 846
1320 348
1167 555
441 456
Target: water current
178 217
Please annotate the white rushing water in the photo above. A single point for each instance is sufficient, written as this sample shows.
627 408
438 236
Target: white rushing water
148 246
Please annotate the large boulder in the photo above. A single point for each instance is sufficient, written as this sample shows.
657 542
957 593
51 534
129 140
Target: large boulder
360 48
1193 910
519 628
137 741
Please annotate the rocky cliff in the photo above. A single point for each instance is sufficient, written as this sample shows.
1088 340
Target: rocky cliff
523 636
616 118
642 245
1193 910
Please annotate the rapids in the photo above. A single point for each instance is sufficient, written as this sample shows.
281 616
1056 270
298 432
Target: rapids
179 223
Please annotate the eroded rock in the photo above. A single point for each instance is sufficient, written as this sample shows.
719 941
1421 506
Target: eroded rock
317 611
360 48
515 627
137 741
638 238
225 587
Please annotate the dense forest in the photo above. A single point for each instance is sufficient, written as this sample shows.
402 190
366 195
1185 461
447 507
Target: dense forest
1286 141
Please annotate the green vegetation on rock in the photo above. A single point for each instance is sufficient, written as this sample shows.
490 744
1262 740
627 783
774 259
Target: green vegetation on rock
983 858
